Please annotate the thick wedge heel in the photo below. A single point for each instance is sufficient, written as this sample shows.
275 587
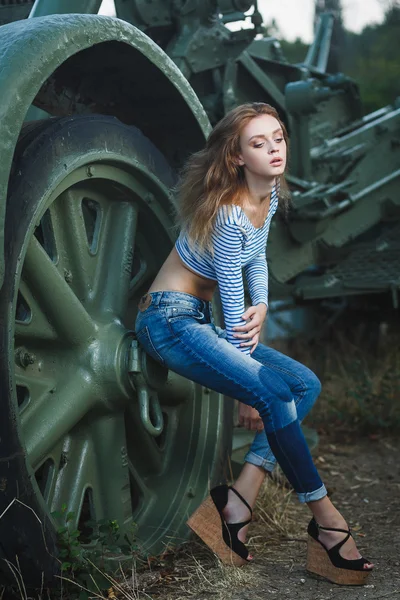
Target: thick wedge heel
208 523
329 563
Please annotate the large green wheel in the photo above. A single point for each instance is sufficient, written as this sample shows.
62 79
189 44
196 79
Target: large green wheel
89 223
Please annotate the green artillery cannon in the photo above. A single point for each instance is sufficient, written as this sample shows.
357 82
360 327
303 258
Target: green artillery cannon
86 217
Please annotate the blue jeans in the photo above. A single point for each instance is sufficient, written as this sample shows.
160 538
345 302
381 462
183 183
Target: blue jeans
177 330
305 387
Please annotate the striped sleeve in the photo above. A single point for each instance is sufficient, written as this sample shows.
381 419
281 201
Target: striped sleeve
227 244
256 272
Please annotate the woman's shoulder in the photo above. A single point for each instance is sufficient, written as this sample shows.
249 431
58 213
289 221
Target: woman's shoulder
229 214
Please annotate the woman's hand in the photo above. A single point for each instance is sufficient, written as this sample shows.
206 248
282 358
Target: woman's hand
251 331
249 418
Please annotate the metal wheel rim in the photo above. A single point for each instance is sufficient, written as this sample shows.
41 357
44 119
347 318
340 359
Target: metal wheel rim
65 469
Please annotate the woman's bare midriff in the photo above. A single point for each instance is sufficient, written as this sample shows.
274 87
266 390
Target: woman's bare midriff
175 276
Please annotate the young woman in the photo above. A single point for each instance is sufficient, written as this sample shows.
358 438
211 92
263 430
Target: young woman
228 195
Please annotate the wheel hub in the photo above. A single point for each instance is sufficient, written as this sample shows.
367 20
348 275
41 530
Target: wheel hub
107 358
119 368
121 371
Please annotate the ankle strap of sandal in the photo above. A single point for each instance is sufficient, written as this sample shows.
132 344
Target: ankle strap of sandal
241 498
333 528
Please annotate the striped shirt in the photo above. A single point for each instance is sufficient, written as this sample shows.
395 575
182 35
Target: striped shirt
237 245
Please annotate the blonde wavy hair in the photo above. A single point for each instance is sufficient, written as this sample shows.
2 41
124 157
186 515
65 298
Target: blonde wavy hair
211 177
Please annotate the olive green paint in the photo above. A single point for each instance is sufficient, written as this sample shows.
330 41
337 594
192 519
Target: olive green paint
89 226
31 50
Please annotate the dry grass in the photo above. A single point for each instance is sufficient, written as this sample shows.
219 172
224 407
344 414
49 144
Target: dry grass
361 388
193 571
360 376
276 513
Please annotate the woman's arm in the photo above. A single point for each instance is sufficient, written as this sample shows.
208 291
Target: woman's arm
227 242
256 272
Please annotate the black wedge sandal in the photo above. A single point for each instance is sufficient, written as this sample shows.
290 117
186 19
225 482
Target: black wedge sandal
329 563
209 524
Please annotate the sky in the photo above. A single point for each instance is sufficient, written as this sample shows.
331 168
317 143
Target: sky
295 17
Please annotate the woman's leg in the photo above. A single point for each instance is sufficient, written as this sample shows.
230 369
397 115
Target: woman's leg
196 351
179 338
248 484
305 387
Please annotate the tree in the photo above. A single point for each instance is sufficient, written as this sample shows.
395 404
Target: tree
372 60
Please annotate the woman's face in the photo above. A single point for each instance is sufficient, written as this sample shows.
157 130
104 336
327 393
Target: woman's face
263 148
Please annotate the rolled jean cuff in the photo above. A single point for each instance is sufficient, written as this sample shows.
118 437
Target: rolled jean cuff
311 496
259 461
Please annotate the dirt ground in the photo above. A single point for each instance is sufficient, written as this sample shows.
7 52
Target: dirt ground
363 479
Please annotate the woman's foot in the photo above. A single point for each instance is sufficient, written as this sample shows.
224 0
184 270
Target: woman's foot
237 512
330 538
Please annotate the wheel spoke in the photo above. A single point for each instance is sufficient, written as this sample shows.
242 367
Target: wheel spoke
51 416
58 302
71 240
112 496
40 359
33 325
114 265
141 444
76 474
145 267
46 475
139 282
145 497
30 387
177 390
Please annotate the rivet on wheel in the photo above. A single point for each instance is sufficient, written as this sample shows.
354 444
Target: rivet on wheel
191 493
68 275
24 358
